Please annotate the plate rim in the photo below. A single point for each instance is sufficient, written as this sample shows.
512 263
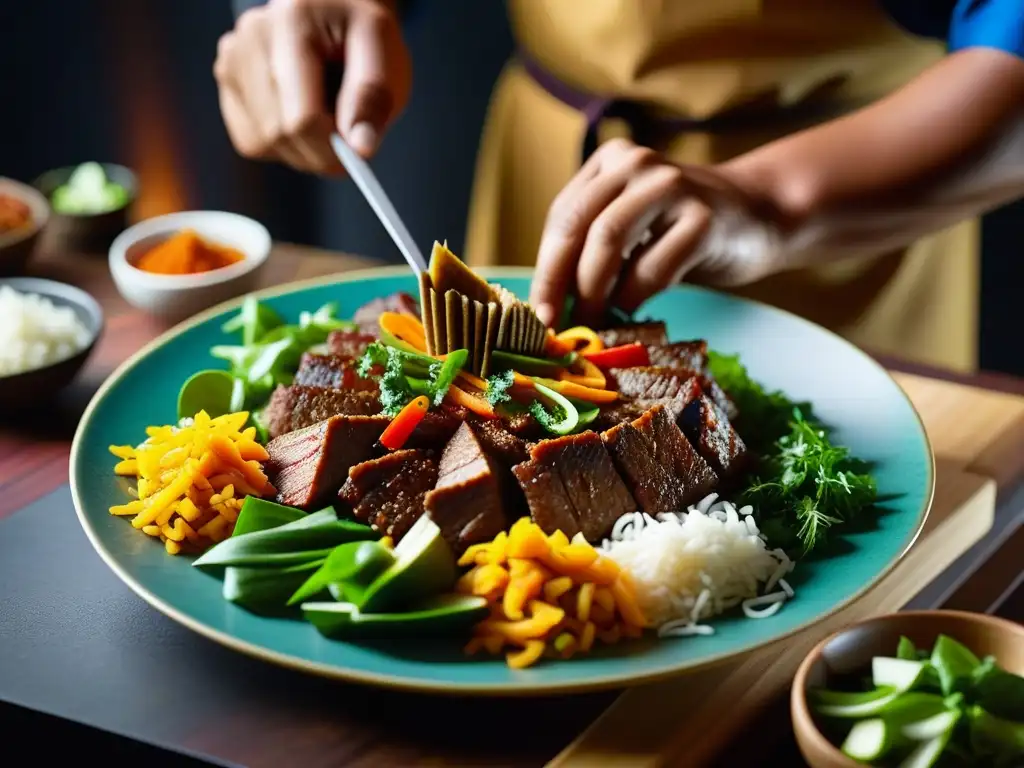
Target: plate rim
527 688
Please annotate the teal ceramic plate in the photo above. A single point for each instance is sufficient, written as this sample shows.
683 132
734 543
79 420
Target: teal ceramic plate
849 390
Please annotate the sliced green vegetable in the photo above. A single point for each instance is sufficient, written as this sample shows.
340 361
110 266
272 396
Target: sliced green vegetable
999 692
532 366
397 343
453 363
262 515
209 391
907 650
310 538
901 674
562 419
931 727
586 412
357 562
265 590
868 740
424 567
254 320
439 615
88 192
994 737
954 663
826 697
868 708
927 753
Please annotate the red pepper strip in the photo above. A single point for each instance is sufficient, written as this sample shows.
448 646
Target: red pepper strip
398 431
625 356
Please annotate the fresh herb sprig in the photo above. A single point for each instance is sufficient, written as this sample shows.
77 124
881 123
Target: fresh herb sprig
806 484
407 375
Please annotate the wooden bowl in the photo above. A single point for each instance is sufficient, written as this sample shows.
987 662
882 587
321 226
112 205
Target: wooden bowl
90 232
16 247
849 651
36 386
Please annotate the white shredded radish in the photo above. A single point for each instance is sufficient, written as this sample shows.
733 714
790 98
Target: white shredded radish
786 588
681 629
690 566
752 610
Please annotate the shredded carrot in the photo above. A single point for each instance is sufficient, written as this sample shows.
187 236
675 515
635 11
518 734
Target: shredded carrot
549 590
404 328
477 405
580 392
555 347
590 376
186 253
405 423
191 481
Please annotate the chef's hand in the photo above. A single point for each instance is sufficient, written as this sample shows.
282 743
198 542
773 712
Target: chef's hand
679 222
270 75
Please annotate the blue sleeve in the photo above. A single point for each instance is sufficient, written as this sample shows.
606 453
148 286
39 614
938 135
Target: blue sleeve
963 24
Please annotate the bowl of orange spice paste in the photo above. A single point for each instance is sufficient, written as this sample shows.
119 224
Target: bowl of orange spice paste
176 265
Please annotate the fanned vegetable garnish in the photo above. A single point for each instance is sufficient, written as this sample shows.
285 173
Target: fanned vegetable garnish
561 419
807 485
498 387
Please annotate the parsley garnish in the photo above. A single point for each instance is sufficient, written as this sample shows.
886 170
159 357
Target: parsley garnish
498 387
407 374
806 484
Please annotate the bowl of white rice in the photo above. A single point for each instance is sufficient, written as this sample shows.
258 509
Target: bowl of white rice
47 331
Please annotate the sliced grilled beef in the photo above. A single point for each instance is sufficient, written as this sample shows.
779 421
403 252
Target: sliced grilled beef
333 371
500 443
350 343
716 393
708 428
296 407
571 485
654 383
437 428
387 493
686 355
524 425
309 465
367 317
468 503
650 334
661 468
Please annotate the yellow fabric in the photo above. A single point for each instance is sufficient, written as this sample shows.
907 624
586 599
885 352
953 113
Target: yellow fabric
698 58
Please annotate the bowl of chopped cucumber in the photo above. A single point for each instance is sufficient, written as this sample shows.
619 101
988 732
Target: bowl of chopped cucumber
90 204
913 690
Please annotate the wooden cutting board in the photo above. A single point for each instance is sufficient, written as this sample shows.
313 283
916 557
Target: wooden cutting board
978 439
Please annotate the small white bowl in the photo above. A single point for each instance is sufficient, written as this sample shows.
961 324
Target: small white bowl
175 297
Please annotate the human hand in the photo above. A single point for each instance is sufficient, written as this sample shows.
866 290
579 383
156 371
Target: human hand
680 221
270 76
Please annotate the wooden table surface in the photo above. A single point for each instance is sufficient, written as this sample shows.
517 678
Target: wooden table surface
34 450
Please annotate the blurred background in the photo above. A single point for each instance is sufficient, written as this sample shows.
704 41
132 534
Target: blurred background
131 83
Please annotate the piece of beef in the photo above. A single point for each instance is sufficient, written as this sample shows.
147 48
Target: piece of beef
309 465
387 493
686 355
332 372
498 441
349 343
524 425
661 468
367 317
654 383
708 428
437 427
468 502
648 333
277 415
571 485
310 405
716 393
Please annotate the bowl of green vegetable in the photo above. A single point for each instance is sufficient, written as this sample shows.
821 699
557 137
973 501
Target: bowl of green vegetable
90 204
913 690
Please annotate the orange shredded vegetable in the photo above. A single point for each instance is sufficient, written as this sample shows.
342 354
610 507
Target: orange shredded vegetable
591 375
580 392
548 595
477 405
191 481
403 425
186 253
405 328
581 339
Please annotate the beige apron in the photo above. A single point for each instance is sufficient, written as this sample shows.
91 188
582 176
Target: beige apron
701 60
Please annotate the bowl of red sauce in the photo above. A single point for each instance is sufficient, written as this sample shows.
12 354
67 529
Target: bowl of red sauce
23 214
176 265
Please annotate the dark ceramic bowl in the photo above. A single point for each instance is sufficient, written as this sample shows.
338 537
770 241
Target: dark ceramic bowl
16 247
850 650
36 386
87 233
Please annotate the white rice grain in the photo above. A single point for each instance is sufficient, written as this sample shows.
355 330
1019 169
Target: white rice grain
35 332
